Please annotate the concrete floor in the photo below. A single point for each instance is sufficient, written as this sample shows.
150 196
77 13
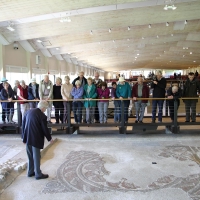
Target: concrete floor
104 165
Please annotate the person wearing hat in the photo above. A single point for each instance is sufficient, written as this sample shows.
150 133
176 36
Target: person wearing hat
103 93
123 91
66 89
33 93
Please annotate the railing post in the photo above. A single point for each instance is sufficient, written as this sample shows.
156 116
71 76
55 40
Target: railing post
166 108
122 131
175 127
68 118
19 118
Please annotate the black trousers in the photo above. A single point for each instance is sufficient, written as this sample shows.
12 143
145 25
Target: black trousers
171 108
190 105
59 110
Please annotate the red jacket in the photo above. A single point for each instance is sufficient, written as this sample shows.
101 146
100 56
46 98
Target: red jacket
23 93
145 92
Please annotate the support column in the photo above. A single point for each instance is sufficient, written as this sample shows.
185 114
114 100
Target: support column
2 61
28 63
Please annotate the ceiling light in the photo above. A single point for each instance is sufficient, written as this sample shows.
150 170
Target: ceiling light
57 48
149 25
190 52
183 55
183 47
109 30
143 38
167 23
135 57
186 47
113 40
65 19
128 39
39 41
129 28
194 61
138 54
172 34
128 46
186 22
157 36
10 28
91 32
99 42
172 7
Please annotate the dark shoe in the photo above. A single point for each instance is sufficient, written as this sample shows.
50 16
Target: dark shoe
140 122
84 121
42 177
30 175
193 121
136 121
153 121
96 121
187 121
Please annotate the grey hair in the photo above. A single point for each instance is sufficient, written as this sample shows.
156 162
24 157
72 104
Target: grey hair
77 82
159 72
174 88
43 104
22 81
59 79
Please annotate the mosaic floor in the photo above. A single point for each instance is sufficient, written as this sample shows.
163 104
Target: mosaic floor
139 168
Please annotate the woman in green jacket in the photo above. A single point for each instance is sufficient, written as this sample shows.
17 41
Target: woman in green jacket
90 93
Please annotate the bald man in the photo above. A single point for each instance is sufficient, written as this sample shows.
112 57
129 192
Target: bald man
140 90
173 93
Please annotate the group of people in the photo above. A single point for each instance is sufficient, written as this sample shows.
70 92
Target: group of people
89 98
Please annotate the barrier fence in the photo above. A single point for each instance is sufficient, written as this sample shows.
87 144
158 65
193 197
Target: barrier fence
122 125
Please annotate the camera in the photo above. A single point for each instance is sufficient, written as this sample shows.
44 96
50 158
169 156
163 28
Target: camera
15 46
154 78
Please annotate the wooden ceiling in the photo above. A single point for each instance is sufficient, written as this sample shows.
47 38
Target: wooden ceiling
176 46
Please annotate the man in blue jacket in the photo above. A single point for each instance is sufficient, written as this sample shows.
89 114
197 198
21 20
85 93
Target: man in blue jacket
34 130
123 91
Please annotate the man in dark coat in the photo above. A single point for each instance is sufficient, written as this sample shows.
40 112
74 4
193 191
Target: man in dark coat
158 85
81 78
190 89
34 131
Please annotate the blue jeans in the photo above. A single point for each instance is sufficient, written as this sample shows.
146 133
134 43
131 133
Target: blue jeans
33 160
160 109
77 108
125 111
103 108
116 110
139 108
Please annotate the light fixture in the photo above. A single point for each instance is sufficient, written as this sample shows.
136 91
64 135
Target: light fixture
128 46
186 22
109 30
157 36
167 23
172 7
183 56
194 61
143 38
136 57
91 33
113 40
99 42
128 39
190 52
138 54
172 34
149 25
129 28
57 48
39 41
65 19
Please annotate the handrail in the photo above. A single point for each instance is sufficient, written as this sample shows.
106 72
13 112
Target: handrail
110 99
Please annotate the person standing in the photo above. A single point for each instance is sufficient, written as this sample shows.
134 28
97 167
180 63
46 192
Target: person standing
140 90
83 81
158 85
89 94
46 93
66 89
123 91
34 131
77 93
58 105
103 93
22 93
15 88
3 110
8 94
97 82
116 102
190 89
33 93
173 94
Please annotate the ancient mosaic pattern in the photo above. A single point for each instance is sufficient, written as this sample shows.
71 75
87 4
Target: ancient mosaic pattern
4 149
84 171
